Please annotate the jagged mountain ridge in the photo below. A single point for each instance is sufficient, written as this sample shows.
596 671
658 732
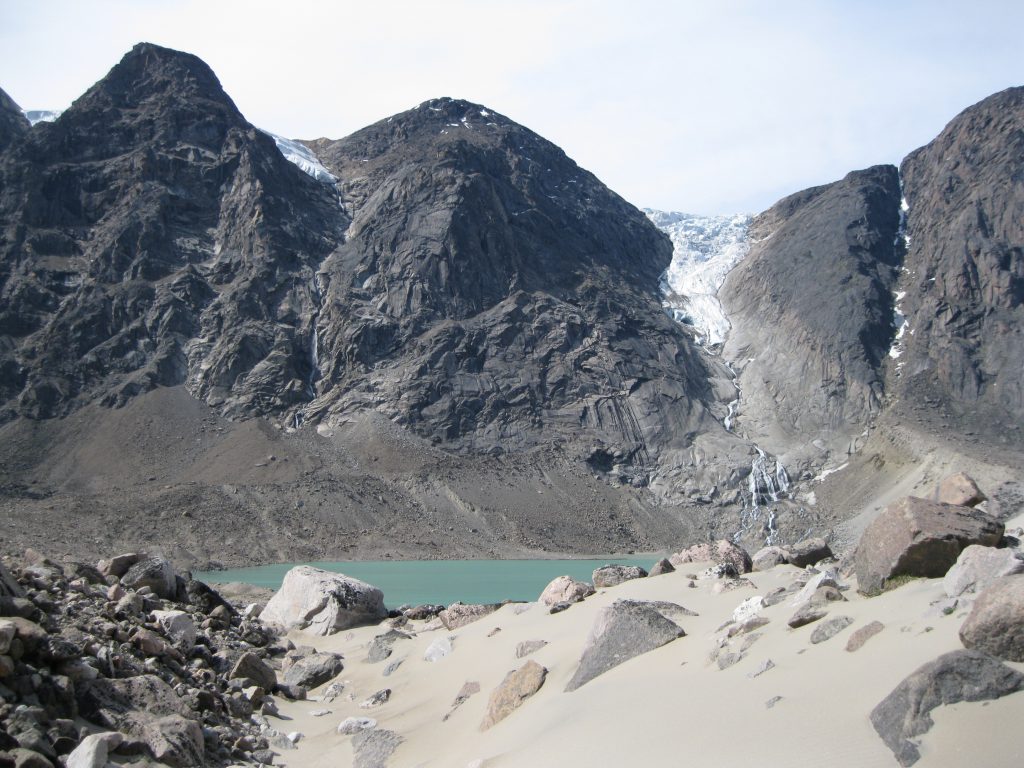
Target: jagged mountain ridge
460 280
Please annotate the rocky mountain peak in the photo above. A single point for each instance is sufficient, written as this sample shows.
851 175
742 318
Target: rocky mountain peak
12 120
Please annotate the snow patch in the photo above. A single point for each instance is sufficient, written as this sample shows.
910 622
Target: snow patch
705 248
303 157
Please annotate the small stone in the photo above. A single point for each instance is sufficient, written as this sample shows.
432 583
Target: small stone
806 615
372 748
763 667
319 712
251 666
772 701
439 649
378 699
516 688
767 558
392 667
863 634
662 567
527 647
829 629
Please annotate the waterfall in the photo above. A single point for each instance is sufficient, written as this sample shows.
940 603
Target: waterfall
766 486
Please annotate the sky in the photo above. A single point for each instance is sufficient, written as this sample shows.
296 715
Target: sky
721 106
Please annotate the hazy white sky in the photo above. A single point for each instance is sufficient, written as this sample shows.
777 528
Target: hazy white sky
707 107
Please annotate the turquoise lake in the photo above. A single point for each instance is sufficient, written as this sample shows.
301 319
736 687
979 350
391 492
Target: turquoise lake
415 582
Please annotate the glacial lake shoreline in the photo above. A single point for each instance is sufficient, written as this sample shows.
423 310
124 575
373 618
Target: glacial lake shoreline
418 582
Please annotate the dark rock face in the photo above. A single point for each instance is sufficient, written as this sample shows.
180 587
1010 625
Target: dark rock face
965 268
812 305
492 295
13 122
152 237
955 676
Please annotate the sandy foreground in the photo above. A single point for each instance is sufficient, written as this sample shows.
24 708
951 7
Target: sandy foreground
672 706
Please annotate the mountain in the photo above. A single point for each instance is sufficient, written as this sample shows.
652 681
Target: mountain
439 336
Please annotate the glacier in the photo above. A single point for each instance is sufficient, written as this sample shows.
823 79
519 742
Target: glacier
303 157
42 115
705 248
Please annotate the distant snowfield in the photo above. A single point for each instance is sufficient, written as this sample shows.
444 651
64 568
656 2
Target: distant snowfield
41 115
705 249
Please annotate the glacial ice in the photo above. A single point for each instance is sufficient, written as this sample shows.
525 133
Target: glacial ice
303 157
42 115
705 248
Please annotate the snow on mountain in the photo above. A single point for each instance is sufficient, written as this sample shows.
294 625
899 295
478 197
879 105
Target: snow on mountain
706 248
42 115
303 157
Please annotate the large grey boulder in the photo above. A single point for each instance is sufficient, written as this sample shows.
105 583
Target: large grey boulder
613 575
917 537
623 630
153 572
767 558
721 551
996 622
128 704
961 675
565 589
977 567
313 670
322 602
516 688
383 645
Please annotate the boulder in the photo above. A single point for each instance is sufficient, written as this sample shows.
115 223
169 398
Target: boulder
28 758
155 573
829 629
251 667
179 627
977 567
175 741
93 750
809 552
661 567
917 537
995 624
827 578
565 589
808 614
959 489
516 688
863 634
9 586
383 645
767 558
322 602
377 699
613 575
962 675
373 747
623 630
721 551
459 614
128 704
313 670
118 566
